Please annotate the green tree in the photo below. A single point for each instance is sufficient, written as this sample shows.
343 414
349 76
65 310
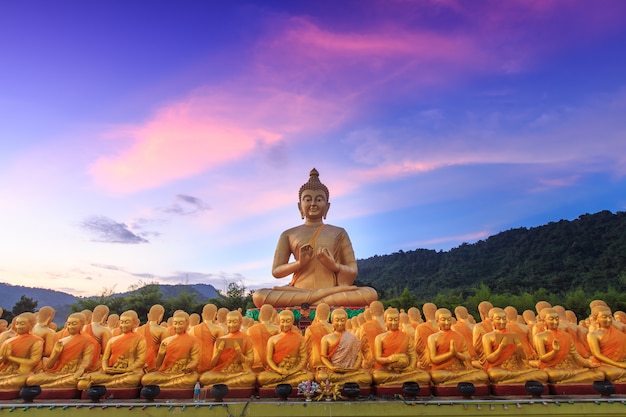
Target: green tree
25 304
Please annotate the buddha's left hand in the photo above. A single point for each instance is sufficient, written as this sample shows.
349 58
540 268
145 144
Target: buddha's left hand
327 259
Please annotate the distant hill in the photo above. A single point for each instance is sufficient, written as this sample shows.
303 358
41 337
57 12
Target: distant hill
11 294
61 301
588 252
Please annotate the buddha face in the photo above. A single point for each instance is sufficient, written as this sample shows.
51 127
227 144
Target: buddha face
444 320
552 321
233 322
499 320
285 321
180 323
392 321
126 323
604 319
74 325
339 322
22 325
313 204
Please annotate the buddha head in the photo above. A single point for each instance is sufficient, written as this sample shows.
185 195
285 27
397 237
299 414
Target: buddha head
128 322
603 316
339 319
75 323
266 312
414 315
498 318
45 315
208 312
285 320
313 197
100 314
443 316
429 310
322 312
233 321
180 321
551 318
156 313
24 323
392 319
483 309
113 321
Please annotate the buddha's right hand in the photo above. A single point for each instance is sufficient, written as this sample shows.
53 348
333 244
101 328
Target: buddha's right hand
306 254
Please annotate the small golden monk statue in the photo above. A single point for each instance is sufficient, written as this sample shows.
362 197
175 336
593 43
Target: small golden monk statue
608 345
71 357
154 334
177 360
285 355
260 333
21 354
505 355
558 355
450 361
395 356
325 268
341 355
313 336
207 333
232 357
123 359
45 315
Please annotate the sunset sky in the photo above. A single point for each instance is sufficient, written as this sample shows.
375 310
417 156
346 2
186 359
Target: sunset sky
166 141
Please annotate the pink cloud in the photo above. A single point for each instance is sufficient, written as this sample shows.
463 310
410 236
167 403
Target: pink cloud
207 130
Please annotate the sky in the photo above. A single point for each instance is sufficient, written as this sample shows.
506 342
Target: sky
158 141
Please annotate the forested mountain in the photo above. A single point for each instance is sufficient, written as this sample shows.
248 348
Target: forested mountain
587 253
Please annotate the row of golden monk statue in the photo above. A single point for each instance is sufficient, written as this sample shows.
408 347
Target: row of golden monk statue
384 348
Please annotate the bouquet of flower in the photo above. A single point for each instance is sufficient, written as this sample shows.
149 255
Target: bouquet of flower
308 388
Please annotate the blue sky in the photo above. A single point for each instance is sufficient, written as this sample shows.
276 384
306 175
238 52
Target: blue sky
166 141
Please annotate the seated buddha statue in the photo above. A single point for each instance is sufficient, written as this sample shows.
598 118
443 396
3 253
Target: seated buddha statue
21 354
71 357
45 315
324 268
395 356
608 345
260 333
285 355
506 360
207 332
123 359
154 334
341 357
313 336
177 359
559 357
232 357
450 361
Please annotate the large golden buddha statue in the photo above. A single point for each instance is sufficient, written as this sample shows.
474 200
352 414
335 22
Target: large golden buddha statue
325 268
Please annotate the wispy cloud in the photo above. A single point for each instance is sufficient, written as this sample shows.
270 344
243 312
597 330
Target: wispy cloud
186 205
107 230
